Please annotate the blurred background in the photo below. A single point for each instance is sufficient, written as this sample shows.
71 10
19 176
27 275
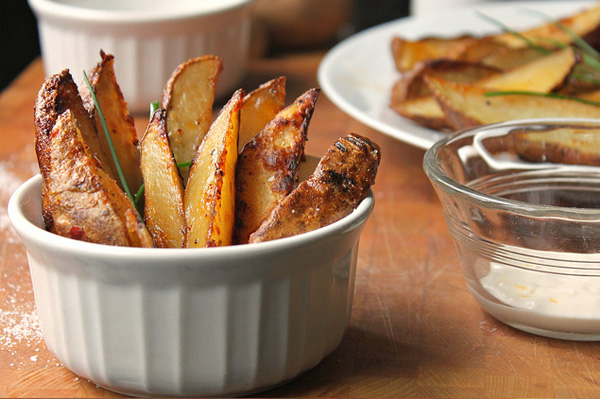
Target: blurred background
19 43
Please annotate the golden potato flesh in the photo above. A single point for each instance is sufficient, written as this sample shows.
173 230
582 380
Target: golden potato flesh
259 108
163 189
209 199
188 99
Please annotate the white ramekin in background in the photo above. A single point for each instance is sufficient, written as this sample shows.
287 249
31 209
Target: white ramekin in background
148 39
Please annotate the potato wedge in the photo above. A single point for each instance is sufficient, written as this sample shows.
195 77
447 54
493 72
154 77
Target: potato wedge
423 110
209 198
119 122
340 182
408 53
466 105
540 75
578 144
163 212
412 84
188 99
84 202
580 23
268 165
259 108
58 94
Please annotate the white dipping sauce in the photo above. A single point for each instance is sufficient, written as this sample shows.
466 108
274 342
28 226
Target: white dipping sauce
553 305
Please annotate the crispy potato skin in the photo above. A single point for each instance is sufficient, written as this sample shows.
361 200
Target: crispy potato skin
164 214
267 167
118 120
340 182
83 201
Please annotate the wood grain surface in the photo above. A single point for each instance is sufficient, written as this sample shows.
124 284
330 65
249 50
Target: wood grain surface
415 329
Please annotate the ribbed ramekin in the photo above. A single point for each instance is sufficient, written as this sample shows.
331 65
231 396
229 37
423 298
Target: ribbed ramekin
149 39
190 322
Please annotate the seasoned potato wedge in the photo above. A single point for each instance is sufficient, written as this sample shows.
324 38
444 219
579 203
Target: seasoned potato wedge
57 94
188 99
412 84
541 75
118 120
209 199
581 24
423 110
466 105
163 212
268 165
576 144
259 108
340 182
408 53
81 200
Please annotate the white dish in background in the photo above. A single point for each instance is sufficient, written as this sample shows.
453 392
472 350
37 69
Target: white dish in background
149 39
358 73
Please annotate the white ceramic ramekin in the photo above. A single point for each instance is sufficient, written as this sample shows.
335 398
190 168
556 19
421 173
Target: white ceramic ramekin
148 39
190 322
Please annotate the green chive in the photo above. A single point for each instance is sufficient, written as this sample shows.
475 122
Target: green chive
517 34
536 94
153 108
109 140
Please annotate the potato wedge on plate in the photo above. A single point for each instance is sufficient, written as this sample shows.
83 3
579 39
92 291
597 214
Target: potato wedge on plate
466 105
259 108
408 53
118 120
80 200
163 189
340 182
268 165
209 198
576 144
188 99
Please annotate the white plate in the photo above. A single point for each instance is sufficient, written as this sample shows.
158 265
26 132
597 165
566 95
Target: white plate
358 73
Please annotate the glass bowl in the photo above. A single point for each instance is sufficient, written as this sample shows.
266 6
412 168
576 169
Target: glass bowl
522 202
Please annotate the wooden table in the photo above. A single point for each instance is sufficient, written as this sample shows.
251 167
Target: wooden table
415 329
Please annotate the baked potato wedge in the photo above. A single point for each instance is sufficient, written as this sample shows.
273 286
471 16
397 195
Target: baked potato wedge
423 110
340 182
188 98
259 107
58 94
466 105
412 83
578 144
209 198
268 165
408 53
119 122
541 75
81 200
582 24
163 199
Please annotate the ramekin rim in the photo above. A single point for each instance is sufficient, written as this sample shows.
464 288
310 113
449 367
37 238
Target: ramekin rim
48 8
23 225
442 180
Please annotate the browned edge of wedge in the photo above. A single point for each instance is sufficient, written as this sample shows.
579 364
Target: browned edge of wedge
340 182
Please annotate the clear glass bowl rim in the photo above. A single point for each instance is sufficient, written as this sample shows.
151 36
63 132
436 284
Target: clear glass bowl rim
431 165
